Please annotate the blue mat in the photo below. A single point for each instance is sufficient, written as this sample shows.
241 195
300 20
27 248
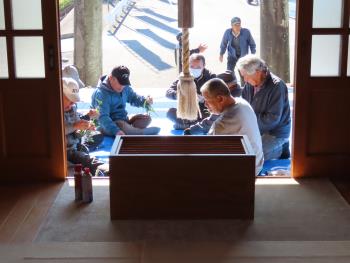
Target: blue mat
161 105
271 167
276 167
103 151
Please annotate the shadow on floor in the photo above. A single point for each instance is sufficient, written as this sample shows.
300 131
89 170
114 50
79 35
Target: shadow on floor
147 55
151 12
160 25
161 41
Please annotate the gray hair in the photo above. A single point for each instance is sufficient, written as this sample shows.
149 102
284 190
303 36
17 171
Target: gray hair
251 63
216 87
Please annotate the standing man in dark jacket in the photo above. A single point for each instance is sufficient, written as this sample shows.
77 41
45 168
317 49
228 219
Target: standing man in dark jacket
201 75
268 96
237 41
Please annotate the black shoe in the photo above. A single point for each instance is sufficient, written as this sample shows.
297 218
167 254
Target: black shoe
94 140
181 125
285 151
187 131
171 115
94 164
83 148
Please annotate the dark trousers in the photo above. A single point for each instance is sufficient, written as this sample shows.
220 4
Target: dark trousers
79 157
93 141
231 64
172 114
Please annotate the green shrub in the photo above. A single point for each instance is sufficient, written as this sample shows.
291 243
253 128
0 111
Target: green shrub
65 3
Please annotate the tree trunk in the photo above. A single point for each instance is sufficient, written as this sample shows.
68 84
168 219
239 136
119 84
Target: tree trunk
88 40
274 34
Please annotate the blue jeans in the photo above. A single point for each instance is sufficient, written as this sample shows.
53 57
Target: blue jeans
231 63
272 146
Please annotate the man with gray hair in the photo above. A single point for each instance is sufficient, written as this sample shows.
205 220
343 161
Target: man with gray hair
268 96
235 116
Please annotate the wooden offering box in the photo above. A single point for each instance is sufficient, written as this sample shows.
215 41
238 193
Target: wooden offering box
182 177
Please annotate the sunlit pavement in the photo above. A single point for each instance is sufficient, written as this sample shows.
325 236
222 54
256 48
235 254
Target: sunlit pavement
146 39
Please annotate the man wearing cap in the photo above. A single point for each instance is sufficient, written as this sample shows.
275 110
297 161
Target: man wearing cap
204 126
73 123
93 139
110 98
230 79
237 41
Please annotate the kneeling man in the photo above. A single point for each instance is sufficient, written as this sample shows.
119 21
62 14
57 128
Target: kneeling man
236 116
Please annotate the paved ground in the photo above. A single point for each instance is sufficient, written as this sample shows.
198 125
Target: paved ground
146 40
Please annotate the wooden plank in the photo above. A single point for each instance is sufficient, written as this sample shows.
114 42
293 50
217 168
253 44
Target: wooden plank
29 228
238 252
8 200
343 186
21 209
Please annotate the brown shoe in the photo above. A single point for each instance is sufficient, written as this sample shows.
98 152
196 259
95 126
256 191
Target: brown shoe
140 121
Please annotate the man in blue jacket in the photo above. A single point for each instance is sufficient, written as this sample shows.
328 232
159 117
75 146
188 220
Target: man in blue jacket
110 98
268 96
237 41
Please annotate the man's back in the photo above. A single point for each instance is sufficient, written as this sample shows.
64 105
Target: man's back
239 118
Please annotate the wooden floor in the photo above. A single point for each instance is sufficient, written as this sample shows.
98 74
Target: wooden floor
343 186
215 252
23 208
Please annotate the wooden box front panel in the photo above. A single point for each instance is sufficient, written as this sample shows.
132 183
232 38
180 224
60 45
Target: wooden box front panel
182 186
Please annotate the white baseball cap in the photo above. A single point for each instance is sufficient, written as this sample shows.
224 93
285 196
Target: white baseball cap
71 89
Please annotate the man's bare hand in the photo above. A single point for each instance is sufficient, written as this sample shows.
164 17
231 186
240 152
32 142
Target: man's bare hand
93 114
120 132
81 125
149 100
202 47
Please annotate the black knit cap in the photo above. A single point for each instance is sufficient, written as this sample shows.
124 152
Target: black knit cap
121 73
227 76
